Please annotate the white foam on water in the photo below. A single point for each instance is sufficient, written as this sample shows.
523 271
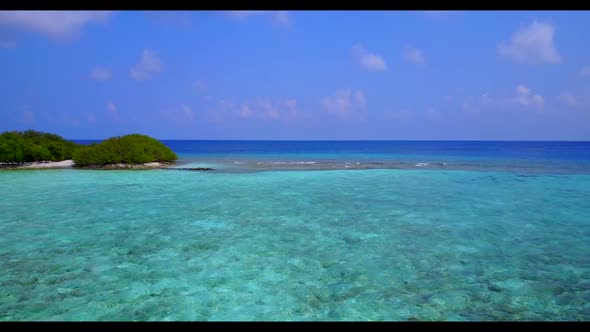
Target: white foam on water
293 162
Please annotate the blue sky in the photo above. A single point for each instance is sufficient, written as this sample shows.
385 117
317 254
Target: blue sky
495 75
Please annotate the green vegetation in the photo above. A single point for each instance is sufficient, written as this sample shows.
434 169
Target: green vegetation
17 147
129 149
30 145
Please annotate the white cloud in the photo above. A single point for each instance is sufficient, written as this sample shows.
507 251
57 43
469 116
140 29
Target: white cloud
486 99
54 24
274 110
414 55
369 61
291 106
261 108
245 111
111 108
200 86
148 65
100 74
344 102
181 115
280 17
532 44
225 105
188 112
526 98
360 101
569 99
585 71
472 104
113 111
242 14
269 110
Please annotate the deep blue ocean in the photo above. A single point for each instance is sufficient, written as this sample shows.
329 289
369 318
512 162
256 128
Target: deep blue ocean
529 157
283 230
469 149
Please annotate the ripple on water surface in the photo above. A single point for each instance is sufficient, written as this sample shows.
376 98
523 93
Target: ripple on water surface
333 245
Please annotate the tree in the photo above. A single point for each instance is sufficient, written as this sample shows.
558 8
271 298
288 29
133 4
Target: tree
31 145
128 149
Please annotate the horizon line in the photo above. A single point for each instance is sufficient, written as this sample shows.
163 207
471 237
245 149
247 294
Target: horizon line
343 140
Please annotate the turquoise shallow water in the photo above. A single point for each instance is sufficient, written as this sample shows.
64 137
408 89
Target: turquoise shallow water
294 245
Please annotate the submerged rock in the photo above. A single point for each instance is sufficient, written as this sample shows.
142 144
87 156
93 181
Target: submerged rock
494 288
191 168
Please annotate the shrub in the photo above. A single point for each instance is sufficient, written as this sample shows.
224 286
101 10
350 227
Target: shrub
129 149
31 145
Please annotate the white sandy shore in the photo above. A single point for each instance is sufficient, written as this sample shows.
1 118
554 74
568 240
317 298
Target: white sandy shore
70 164
49 164
132 166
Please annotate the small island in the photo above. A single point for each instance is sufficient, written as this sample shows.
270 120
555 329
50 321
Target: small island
133 151
34 149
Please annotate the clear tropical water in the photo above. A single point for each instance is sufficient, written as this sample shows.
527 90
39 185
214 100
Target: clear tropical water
266 238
